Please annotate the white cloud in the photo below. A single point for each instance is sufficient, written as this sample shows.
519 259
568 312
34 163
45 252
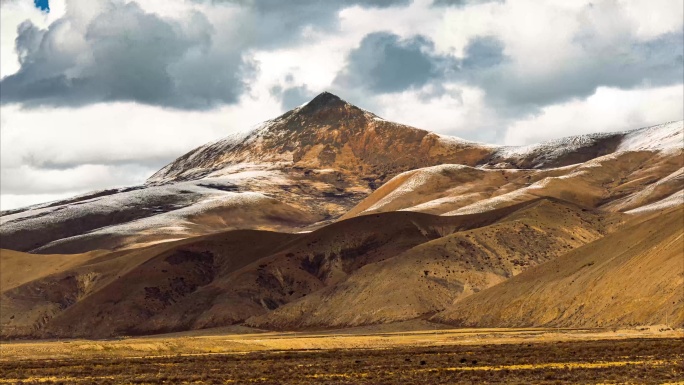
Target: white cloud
654 17
461 111
119 132
71 150
78 178
13 201
608 109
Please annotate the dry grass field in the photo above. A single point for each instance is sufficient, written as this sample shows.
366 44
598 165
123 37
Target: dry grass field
389 354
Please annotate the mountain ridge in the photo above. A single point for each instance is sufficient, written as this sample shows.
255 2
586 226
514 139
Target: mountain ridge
329 216
322 160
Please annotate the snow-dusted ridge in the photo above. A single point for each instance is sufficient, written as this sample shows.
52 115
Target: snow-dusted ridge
553 147
208 151
318 161
662 137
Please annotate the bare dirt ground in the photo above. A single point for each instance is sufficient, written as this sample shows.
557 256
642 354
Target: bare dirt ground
421 353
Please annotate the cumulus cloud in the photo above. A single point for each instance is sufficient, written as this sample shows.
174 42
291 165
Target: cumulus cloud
115 51
275 22
79 178
53 151
568 52
385 63
625 64
112 50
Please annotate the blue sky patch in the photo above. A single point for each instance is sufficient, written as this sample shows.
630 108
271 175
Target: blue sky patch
43 5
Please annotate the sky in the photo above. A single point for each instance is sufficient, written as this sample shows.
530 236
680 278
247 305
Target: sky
97 94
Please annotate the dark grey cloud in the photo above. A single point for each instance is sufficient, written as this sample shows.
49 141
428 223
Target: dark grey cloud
626 64
125 54
483 52
274 23
292 97
386 63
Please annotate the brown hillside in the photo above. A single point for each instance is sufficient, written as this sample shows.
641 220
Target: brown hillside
20 268
213 280
111 293
632 277
327 132
330 216
616 182
429 277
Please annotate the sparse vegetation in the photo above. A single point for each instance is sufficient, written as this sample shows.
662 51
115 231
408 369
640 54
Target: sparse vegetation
603 361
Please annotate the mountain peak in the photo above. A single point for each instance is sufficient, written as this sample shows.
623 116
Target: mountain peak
324 100
326 97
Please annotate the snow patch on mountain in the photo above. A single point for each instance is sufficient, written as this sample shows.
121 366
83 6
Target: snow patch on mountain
149 207
662 137
673 200
550 150
178 219
202 157
414 181
493 203
448 139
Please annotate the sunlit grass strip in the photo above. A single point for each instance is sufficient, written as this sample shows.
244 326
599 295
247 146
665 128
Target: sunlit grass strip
550 365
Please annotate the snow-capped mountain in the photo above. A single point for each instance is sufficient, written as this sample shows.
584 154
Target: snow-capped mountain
326 133
318 162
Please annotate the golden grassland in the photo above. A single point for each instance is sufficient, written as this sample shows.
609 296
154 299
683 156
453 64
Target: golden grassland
243 340
412 352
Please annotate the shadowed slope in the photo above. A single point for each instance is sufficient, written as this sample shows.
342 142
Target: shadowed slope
113 293
213 280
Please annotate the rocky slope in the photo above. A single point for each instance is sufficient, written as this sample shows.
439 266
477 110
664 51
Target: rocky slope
326 133
645 168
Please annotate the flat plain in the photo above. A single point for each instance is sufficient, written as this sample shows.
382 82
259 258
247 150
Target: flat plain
407 353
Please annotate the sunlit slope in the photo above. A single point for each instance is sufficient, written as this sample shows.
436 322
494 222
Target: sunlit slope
617 182
632 277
